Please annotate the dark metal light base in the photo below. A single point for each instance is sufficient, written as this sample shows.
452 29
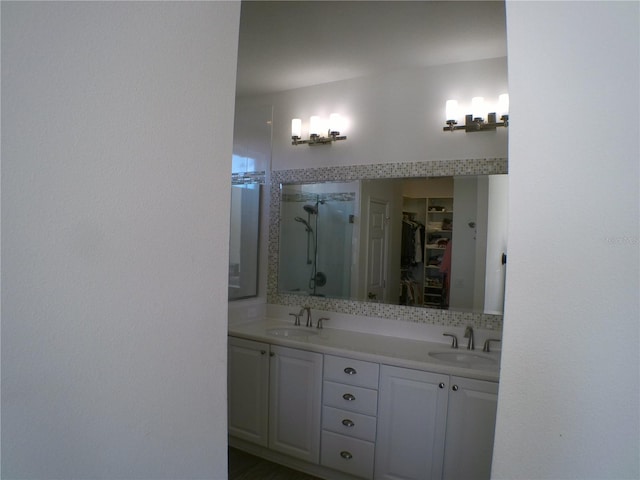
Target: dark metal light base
477 124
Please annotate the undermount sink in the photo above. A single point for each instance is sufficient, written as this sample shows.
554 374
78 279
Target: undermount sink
291 332
464 359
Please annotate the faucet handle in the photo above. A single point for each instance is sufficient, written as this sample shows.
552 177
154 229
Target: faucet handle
320 320
468 333
454 339
488 342
307 309
296 322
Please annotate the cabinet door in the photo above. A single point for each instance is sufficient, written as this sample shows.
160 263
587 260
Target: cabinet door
412 417
471 423
248 390
295 402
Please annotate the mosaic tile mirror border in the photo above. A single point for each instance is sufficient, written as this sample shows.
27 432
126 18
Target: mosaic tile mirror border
485 166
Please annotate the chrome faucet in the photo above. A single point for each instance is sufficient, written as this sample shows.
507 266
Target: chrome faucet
468 333
454 339
487 344
296 322
308 310
320 320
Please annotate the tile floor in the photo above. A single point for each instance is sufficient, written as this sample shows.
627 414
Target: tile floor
243 466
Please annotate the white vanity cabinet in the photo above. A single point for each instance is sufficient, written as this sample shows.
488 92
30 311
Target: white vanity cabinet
471 420
350 404
411 424
274 397
433 426
295 392
248 390
348 418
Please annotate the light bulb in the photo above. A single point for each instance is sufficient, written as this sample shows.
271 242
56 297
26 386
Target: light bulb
503 105
451 110
296 128
477 107
314 125
335 123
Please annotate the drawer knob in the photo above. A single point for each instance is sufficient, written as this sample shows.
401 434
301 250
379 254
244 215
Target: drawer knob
346 455
350 371
349 397
348 423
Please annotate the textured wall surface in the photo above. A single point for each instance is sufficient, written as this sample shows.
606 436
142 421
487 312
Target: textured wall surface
116 139
568 405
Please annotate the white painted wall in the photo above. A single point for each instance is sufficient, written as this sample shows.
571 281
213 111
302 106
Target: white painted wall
252 139
480 233
117 134
497 241
463 253
394 117
569 391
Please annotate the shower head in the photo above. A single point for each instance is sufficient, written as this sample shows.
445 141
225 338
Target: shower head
305 223
311 209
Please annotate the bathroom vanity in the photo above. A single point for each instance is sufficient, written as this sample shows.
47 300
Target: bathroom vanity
344 405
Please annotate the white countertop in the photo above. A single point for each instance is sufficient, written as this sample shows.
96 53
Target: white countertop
400 352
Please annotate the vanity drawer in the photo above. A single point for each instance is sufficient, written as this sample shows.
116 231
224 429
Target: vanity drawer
348 397
349 423
353 372
347 454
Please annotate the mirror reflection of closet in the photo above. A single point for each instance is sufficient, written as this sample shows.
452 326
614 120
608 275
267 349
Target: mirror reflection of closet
426 237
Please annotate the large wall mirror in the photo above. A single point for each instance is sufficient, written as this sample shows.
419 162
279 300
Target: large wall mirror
425 237
244 234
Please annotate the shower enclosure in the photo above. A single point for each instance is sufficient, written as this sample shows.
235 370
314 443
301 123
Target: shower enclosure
316 231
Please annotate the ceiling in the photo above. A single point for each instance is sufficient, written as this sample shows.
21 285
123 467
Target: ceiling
285 45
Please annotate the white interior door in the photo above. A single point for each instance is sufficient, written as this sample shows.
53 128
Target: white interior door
377 250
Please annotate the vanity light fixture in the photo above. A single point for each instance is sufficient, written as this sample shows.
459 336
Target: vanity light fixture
315 129
475 122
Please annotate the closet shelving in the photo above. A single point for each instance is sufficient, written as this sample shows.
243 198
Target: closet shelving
413 234
439 234
424 279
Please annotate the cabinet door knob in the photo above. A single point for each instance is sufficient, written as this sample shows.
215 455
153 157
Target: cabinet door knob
346 455
454 388
348 423
271 354
349 397
350 371
441 385
262 352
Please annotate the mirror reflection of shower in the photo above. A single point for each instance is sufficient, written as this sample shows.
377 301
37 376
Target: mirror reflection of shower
309 235
316 278
316 238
